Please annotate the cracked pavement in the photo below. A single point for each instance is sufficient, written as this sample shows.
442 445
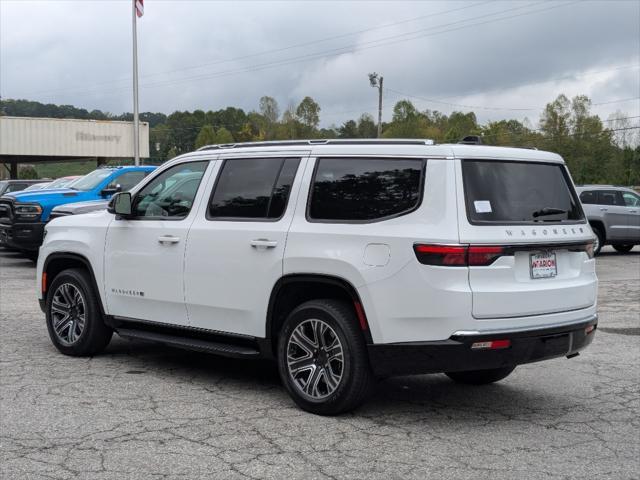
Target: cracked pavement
146 411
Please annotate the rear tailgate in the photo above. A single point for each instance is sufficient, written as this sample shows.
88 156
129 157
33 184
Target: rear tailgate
530 211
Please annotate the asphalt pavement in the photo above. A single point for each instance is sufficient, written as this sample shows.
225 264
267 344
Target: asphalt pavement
143 411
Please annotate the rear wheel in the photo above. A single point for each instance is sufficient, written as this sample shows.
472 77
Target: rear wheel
74 320
480 377
622 248
598 242
322 358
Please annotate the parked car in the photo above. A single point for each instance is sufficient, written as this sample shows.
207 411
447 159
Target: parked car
63 182
344 261
36 186
59 183
8 186
96 205
614 215
23 215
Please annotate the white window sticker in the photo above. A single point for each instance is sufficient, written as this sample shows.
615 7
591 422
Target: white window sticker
482 206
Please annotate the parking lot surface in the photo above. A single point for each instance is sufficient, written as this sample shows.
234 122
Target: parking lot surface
145 411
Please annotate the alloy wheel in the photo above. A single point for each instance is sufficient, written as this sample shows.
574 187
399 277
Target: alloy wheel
315 359
68 314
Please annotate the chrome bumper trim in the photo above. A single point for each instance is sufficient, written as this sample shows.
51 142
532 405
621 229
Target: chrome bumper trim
529 328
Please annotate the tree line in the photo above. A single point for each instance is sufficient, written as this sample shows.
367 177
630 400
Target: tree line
596 150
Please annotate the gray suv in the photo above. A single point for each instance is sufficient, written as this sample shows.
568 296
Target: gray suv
614 215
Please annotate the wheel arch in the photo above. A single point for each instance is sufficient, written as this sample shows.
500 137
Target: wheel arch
58 261
599 224
294 289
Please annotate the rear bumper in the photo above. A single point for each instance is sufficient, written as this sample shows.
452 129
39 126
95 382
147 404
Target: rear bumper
22 236
455 353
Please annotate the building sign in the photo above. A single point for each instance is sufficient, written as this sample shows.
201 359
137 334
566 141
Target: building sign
90 137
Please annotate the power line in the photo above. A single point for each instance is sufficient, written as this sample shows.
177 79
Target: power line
281 49
481 107
348 49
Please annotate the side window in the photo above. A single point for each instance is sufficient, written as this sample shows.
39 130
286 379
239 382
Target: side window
610 197
16 187
631 199
253 188
127 180
171 193
359 189
588 197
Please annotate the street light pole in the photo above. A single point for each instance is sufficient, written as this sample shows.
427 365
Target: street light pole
136 119
376 81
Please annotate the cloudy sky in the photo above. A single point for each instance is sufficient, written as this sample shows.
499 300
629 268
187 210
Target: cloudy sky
502 59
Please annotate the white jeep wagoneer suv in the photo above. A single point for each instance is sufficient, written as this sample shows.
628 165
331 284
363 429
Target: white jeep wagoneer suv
343 260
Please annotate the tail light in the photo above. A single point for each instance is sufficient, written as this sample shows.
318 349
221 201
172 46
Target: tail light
458 255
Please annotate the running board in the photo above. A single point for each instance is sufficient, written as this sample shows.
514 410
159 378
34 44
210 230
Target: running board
208 346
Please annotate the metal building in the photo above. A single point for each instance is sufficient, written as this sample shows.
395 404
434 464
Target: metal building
34 140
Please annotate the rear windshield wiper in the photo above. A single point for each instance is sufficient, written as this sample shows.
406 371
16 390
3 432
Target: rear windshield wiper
547 211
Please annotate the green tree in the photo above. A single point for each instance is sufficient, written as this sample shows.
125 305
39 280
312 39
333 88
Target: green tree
349 129
27 172
206 136
460 125
367 127
308 113
406 122
269 109
223 136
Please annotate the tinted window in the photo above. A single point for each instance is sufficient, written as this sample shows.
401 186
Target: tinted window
610 197
127 180
518 192
253 188
364 189
171 193
631 199
589 198
16 187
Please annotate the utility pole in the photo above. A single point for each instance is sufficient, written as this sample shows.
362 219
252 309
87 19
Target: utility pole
136 119
375 81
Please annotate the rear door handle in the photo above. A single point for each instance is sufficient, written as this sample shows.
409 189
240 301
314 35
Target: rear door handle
263 243
633 211
604 209
168 239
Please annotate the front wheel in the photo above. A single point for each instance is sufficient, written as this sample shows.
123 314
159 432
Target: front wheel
480 377
74 320
622 248
598 241
322 358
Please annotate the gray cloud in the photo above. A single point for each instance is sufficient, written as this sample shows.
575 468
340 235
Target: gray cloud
492 54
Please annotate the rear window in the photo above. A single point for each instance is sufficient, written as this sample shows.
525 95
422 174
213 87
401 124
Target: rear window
589 198
365 189
518 192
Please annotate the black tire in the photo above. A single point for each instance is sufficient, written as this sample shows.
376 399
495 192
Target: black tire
356 380
95 335
31 254
480 377
622 248
599 243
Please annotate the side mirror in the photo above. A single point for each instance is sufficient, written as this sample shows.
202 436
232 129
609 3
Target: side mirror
110 190
120 204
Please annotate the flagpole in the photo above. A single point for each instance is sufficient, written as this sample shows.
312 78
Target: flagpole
136 120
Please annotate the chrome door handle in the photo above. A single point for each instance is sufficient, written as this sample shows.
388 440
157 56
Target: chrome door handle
604 209
167 239
263 243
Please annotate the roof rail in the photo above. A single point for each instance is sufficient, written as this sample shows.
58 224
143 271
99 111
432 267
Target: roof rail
299 143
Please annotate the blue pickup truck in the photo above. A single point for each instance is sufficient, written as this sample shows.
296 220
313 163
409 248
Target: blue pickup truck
23 215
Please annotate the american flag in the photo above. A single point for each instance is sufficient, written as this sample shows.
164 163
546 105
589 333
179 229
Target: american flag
139 8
